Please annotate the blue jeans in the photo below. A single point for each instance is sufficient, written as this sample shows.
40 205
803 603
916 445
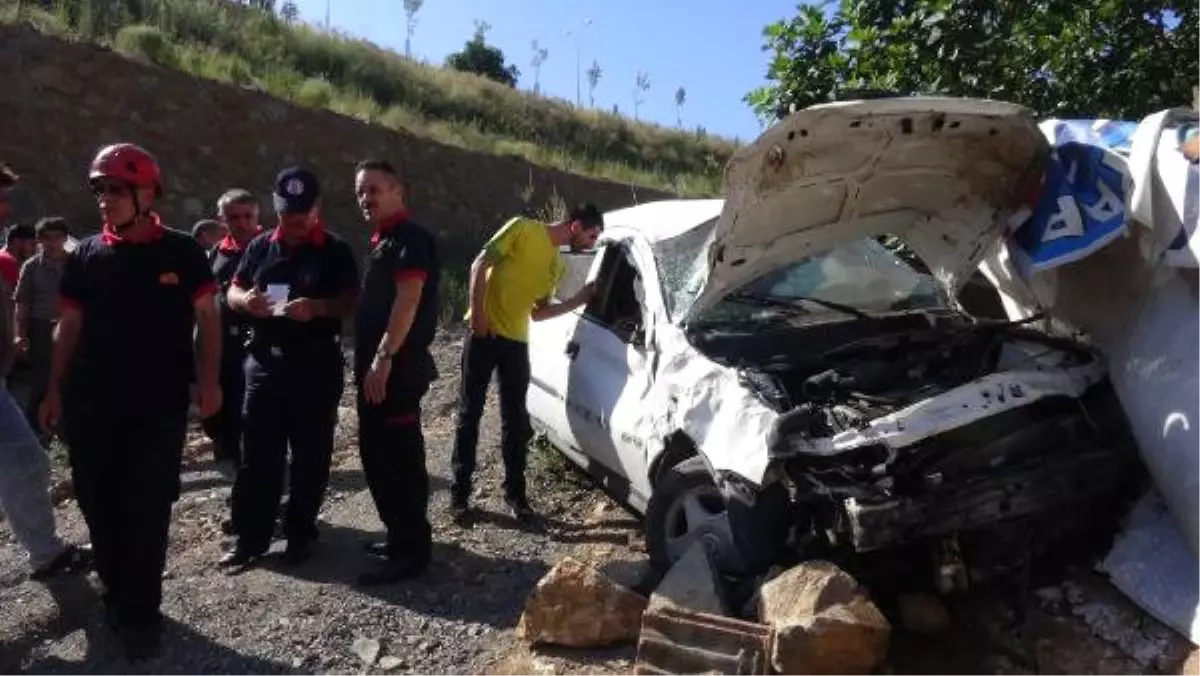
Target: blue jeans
25 485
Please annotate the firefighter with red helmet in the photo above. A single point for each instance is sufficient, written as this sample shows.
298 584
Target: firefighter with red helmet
133 296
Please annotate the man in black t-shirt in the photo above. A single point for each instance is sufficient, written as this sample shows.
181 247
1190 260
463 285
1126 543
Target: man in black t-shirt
237 211
393 328
297 283
132 298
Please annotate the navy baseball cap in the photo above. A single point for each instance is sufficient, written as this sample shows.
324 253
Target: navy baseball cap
296 190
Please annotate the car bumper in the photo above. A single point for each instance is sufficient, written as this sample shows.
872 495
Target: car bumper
1036 488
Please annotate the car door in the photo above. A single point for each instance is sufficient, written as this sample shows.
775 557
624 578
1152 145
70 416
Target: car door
609 373
546 399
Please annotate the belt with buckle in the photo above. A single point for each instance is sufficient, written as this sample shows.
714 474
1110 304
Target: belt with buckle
308 347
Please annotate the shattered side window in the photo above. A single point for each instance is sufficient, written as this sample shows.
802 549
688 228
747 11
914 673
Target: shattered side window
682 262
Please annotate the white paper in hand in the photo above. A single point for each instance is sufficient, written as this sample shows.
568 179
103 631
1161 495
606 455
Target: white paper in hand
277 296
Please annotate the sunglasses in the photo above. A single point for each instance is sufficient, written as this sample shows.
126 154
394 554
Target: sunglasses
110 189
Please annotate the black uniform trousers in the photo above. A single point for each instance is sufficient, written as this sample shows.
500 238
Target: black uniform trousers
125 455
41 350
291 400
224 428
392 448
510 360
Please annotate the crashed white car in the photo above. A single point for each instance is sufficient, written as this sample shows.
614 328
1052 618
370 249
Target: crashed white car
762 374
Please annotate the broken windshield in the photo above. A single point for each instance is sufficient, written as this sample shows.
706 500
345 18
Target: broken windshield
856 279
682 263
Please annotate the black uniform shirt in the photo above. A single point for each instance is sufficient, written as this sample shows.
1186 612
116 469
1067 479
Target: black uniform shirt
224 259
401 249
138 305
321 268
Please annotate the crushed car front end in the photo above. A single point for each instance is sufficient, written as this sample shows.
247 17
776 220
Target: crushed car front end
955 446
845 403
973 445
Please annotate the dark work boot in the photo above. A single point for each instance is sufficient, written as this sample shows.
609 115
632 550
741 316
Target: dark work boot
298 551
460 507
141 641
393 571
73 559
520 509
238 561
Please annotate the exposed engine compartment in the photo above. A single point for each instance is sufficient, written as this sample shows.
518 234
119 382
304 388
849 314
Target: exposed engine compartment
1055 453
827 381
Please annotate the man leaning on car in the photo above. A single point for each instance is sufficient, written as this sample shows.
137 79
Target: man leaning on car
512 281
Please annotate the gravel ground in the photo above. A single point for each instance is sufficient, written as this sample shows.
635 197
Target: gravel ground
459 618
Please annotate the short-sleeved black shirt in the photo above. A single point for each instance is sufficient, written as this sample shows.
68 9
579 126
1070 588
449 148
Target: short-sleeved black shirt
138 306
321 268
224 259
401 251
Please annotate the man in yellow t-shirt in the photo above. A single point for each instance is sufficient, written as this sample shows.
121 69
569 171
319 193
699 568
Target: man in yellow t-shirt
512 281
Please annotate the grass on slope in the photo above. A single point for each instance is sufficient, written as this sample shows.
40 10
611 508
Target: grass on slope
229 43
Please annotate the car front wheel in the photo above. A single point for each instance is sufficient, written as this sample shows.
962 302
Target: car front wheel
686 508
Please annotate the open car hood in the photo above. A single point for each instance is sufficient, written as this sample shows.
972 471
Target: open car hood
943 174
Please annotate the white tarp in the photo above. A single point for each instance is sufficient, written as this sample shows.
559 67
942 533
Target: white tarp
1131 286
1150 564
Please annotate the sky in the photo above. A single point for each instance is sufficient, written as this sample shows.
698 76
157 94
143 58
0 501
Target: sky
712 49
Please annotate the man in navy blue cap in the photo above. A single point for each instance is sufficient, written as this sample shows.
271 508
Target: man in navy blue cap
297 283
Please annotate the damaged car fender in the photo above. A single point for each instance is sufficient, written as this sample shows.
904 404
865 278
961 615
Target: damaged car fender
706 402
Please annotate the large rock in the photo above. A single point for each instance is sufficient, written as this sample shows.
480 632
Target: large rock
574 605
824 622
692 584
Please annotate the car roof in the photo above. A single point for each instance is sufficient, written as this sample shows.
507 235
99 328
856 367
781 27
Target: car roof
662 219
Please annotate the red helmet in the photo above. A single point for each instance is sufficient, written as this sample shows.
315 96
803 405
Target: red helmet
126 162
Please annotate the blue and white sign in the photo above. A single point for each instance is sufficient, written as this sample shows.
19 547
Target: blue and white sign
1081 209
1116 135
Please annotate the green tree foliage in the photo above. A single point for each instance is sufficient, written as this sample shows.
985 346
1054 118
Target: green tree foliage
289 12
411 7
1101 58
593 75
540 54
480 58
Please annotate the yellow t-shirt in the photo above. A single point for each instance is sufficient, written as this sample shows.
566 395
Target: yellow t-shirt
528 267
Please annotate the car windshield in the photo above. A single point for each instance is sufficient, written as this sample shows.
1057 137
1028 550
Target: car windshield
682 262
857 279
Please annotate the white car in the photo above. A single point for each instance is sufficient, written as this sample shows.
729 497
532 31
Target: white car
762 374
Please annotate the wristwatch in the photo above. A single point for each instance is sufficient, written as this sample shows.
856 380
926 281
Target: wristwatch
384 354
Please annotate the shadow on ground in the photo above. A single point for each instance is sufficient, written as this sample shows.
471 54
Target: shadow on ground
459 585
79 609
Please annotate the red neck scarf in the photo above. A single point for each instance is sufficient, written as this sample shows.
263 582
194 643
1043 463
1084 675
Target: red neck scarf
387 226
230 245
109 235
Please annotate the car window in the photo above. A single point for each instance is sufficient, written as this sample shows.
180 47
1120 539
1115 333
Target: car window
682 261
575 276
863 275
620 297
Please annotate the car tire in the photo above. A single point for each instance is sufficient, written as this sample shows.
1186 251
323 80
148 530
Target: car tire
686 506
